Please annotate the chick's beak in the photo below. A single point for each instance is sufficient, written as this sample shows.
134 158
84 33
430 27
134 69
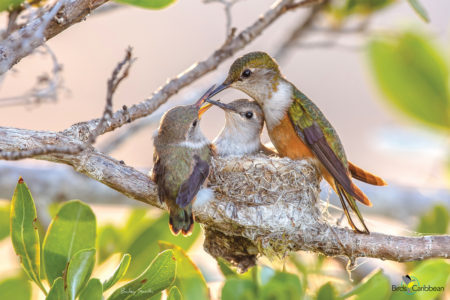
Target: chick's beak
203 108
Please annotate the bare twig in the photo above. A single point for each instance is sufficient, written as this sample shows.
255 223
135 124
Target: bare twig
305 3
34 33
120 72
228 4
47 87
82 130
299 32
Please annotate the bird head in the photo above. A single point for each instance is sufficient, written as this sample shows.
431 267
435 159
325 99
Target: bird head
182 123
256 74
243 116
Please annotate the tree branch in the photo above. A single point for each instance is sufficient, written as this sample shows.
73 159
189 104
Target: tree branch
42 28
270 203
148 106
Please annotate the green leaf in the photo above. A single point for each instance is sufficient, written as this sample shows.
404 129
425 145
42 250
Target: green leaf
92 291
420 10
413 76
118 273
57 291
9 4
4 221
375 286
189 279
145 245
157 277
149 4
72 229
282 286
239 289
435 221
109 242
17 288
327 292
24 234
79 271
174 294
433 273
225 268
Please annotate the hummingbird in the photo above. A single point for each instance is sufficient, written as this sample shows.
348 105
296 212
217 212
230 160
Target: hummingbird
298 129
181 160
244 122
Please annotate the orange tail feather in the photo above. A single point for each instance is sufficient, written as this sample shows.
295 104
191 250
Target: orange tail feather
360 196
365 176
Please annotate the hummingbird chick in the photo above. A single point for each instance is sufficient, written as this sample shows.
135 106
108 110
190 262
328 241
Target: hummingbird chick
244 122
181 160
298 129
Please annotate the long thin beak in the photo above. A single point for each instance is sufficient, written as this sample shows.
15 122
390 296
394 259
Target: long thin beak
205 96
223 106
204 108
219 89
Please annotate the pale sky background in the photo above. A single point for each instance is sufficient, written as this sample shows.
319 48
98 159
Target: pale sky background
167 42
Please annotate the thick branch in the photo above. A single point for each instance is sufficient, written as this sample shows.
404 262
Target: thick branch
271 203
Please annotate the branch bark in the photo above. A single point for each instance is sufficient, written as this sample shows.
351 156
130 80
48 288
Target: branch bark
270 203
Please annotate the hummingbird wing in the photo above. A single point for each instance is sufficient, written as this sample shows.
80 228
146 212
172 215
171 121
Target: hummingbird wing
190 187
316 132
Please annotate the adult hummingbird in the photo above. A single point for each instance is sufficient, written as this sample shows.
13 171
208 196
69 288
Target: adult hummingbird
244 122
298 129
181 162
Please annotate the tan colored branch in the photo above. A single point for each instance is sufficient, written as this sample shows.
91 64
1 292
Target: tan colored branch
270 205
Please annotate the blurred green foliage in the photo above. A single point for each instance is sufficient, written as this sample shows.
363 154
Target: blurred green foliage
414 77
17 288
149 4
9 4
435 221
341 10
4 221
420 10
171 269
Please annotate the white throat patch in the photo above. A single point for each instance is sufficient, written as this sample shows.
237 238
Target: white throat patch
194 145
276 107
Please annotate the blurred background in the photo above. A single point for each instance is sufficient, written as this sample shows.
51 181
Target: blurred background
395 125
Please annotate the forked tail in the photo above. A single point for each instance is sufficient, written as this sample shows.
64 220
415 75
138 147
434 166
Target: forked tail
347 199
181 219
365 176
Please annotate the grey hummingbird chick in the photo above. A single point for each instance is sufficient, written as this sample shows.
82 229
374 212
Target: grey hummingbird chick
181 162
244 122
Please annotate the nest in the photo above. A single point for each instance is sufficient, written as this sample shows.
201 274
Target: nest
260 203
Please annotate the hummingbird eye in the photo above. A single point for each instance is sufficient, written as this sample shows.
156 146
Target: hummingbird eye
249 115
194 123
246 73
